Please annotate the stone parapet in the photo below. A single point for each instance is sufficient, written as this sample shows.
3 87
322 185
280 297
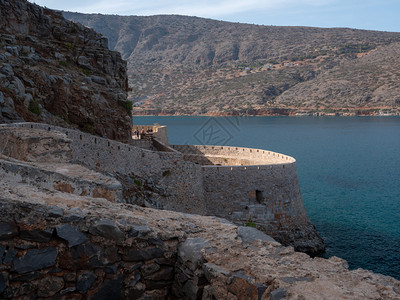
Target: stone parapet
231 156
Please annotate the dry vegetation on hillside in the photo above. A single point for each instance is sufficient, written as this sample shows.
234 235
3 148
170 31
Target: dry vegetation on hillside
190 65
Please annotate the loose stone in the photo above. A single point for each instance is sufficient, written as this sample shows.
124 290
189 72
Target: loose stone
35 260
85 281
143 255
71 234
3 282
37 235
8 230
111 289
107 229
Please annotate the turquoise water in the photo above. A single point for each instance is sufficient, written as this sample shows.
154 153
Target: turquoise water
348 168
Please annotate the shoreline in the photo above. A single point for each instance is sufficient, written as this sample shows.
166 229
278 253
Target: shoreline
280 112
227 115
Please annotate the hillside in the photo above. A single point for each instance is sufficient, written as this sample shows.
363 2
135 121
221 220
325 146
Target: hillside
58 72
370 81
190 65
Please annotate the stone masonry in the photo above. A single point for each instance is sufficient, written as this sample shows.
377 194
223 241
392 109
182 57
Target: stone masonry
266 193
58 242
57 245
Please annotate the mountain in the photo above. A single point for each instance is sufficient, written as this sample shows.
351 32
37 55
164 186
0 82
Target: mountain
58 72
190 65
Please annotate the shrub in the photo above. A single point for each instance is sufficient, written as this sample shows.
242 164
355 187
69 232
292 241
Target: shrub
86 72
87 127
166 173
70 46
250 224
128 106
34 107
64 63
137 182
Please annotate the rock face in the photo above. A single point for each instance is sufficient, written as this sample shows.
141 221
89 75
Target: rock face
121 251
189 65
43 159
43 146
58 72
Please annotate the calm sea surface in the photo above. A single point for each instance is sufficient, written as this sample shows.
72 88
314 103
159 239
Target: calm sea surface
348 168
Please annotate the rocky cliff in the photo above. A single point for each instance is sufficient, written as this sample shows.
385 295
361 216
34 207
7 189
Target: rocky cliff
189 65
58 72
63 237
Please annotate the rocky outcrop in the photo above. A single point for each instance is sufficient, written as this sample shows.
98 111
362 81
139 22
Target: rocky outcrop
58 72
63 246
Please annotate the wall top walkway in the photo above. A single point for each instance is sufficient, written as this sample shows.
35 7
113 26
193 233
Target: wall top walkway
233 157
255 159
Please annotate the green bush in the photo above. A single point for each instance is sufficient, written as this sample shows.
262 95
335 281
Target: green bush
70 46
137 182
86 72
88 128
166 173
250 224
34 107
64 63
128 106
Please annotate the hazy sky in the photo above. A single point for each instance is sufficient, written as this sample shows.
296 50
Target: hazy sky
361 14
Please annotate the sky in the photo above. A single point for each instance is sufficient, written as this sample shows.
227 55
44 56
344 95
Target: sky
381 15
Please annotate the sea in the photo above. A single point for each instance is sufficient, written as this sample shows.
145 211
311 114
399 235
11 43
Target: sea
348 169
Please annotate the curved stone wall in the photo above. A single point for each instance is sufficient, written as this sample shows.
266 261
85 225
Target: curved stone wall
257 187
231 156
263 192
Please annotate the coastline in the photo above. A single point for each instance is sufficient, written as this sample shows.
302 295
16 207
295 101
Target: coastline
281 112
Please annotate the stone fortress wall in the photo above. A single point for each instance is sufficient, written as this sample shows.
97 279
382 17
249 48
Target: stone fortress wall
231 156
254 186
183 185
240 184
59 242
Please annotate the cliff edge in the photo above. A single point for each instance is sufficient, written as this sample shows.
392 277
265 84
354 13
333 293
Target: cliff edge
58 72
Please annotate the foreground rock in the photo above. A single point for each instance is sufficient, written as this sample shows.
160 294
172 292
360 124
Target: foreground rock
110 250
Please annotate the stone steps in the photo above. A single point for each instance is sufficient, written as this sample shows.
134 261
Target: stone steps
66 178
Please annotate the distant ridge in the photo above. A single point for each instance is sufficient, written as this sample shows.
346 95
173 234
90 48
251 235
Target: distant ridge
190 65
